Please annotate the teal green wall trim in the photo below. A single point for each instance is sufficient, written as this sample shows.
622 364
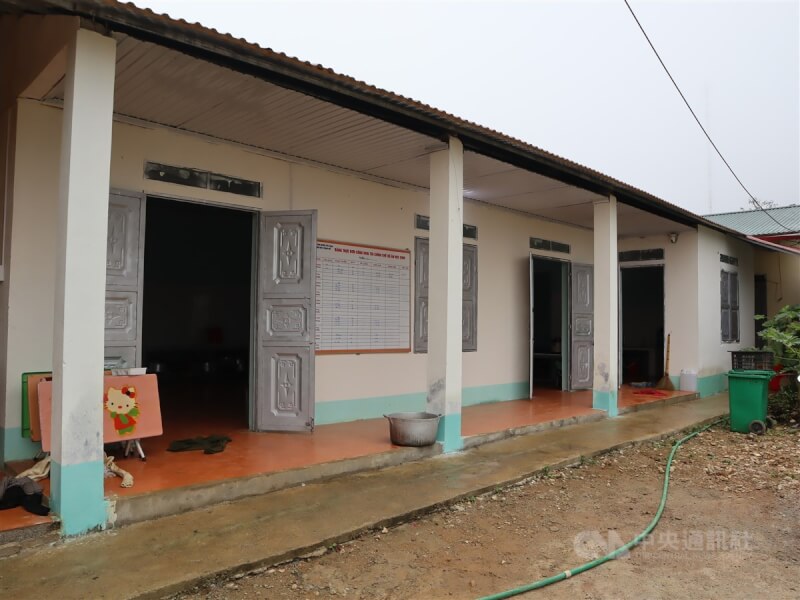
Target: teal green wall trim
15 447
706 386
500 392
606 401
340 411
76 496
712 384
449 434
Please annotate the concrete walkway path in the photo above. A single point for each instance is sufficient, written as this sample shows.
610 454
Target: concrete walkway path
155 558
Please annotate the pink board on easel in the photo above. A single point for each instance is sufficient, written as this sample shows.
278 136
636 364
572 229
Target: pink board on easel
130 404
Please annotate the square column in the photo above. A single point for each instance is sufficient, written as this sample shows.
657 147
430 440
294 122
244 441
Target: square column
445 292
77 439
606 307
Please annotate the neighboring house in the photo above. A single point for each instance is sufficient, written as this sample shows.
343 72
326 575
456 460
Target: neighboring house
167 195
779 225
777 275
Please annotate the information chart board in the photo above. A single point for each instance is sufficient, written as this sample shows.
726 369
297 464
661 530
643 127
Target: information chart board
363 302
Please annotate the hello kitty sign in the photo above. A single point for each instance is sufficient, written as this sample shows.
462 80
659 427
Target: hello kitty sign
121 406
130 405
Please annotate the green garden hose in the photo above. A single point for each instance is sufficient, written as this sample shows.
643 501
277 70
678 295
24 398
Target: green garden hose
621 550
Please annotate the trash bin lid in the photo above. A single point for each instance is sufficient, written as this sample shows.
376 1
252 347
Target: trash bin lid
744 374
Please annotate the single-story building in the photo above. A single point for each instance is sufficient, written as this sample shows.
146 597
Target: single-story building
777 273
287 247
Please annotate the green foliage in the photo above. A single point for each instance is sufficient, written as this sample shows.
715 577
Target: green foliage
783 405
782 334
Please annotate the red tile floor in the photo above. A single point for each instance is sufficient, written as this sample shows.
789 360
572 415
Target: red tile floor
546 405
549 405
253 453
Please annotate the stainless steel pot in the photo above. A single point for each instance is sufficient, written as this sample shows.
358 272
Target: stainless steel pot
413 428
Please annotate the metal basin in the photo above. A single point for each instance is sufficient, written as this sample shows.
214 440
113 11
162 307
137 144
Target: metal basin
413 428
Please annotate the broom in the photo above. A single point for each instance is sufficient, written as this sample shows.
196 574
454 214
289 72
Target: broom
665 383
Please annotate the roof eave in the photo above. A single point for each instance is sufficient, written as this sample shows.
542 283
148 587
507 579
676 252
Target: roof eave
757 241
241 56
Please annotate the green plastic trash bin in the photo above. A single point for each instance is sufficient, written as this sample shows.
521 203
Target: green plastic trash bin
747 395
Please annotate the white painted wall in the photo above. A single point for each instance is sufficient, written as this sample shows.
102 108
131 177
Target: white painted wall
350 209
28 294
782 272
692 297
714 355
31 61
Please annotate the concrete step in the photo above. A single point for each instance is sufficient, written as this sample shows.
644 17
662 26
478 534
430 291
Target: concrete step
129 509
484 438
494 436
16 541
685 397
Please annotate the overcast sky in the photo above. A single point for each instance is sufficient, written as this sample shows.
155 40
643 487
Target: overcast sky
575 78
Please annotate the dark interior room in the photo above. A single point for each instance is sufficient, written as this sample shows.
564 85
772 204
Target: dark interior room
196 309
547 322
642 324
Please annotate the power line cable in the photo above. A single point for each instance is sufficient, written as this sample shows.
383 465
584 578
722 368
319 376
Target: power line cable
691 110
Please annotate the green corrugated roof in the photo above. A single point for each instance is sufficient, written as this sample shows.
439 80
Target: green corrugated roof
757 222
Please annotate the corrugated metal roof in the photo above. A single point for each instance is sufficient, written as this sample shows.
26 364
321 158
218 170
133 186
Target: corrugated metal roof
757 222
320 82
343 91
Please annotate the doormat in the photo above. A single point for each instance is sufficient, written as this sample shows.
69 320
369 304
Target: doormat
212 444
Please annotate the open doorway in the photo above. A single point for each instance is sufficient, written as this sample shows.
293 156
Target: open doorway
642 300
196 329
549 324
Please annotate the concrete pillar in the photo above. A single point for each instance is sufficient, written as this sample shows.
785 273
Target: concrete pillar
77 445
445 291
606 307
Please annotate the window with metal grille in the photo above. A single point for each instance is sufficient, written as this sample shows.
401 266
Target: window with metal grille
731 260
424 222
729 301
549 245
640 255
202 179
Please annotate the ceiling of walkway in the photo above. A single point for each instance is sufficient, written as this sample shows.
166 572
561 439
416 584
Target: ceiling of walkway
165 87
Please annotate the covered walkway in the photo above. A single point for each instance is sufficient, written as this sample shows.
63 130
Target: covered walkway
252 454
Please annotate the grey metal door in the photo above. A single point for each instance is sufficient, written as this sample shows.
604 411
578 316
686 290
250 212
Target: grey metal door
285 317
582 325
530 326
124 270
619 328
469 299
421 252
469 296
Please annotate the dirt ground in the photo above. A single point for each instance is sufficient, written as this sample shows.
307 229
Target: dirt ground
731 529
